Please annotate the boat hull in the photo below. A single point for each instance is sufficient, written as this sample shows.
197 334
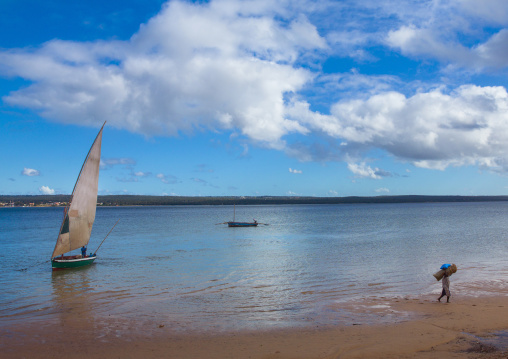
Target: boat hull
242 224
59 264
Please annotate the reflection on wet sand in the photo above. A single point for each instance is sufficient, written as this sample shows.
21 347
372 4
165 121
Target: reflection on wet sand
72 299
81 307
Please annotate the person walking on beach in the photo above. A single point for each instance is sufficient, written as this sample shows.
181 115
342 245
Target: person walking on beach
446 288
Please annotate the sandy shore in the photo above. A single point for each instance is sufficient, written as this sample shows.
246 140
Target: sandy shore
418 328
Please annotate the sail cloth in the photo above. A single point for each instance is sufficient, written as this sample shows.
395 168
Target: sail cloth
80 214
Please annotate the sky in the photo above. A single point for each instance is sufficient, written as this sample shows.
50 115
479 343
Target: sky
256 98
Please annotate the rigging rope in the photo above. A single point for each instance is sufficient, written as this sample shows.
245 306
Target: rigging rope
105 238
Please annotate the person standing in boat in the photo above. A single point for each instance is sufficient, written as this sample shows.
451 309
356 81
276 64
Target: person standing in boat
446 288
83 252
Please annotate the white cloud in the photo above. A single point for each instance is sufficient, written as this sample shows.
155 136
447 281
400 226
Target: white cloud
490 11
456 33
363 171
382 190
245 67
494 52
352 42
46 190
30 172
294 171
424 42
468 126
225 65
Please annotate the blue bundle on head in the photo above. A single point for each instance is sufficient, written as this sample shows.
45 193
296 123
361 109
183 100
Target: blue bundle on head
444 266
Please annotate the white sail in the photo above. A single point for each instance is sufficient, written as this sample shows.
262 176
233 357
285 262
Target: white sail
80 214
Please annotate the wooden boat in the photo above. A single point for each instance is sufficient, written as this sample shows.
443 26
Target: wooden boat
79 215
233 223
242 224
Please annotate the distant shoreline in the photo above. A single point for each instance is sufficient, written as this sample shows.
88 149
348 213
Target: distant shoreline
141 200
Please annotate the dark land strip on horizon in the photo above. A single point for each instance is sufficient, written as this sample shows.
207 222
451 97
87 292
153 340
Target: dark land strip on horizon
143 200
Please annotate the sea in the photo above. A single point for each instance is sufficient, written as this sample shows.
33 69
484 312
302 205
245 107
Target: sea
181 267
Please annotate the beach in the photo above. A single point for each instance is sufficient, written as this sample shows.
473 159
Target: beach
464 328
298 288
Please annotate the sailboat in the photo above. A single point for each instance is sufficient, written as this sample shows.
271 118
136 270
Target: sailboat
79 214
233 223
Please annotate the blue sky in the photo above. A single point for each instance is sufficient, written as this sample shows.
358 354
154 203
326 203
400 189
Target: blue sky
247 98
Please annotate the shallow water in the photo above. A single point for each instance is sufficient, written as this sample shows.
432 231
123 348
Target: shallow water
176 265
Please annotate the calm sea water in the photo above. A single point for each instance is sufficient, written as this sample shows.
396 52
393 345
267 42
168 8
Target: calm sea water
177 266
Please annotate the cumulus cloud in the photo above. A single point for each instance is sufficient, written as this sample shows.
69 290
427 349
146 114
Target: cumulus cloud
455 33
193 66
46 190
450 32
295 171
494 52
427 43
491 11
468 126
414 41
30 172
246 67
362 170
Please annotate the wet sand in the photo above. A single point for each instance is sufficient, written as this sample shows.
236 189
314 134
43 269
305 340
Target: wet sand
399 328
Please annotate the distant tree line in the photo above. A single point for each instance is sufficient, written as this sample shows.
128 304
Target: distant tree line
136 200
